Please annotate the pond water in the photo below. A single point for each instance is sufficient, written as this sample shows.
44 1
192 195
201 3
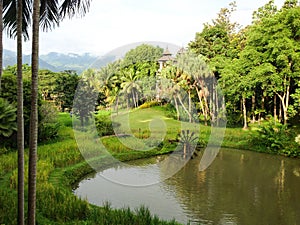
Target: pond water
239 187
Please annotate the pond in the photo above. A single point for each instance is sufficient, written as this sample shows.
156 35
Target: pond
239 187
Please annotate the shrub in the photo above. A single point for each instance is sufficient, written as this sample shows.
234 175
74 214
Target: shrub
275 138
7 118
48 124
149 104
104 125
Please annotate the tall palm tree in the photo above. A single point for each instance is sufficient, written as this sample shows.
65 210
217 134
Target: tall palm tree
68 7
1 42
33 115
13 21
20 118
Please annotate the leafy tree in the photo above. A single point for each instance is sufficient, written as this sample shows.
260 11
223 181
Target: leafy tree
84 101
64 89
47 80
142 54
274 41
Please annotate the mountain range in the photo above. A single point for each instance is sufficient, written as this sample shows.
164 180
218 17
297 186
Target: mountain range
57 62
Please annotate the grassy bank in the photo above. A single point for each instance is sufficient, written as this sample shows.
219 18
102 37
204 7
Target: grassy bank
61 165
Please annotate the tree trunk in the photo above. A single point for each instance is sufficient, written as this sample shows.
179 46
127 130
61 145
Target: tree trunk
201 106
285 103
245 114
217 113
280 113
133 98
253 109
185 109
284 108
137 99
1 41
20 117
117 105
190 106
213 105
33 115
275 109
177 109
263 105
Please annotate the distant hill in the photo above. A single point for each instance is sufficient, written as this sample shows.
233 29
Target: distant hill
59 62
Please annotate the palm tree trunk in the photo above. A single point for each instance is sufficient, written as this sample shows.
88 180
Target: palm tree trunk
20 117
201 104
33 115
183 106
190 106
177 109
1 42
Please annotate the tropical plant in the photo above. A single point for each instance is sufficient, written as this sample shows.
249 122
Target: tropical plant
7 118
273 137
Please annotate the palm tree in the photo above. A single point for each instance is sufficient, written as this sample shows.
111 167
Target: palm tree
131 86
68 7
1 42
33 115
46 14
14 12
20 118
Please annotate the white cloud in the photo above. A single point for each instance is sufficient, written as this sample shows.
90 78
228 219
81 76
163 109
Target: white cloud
113 23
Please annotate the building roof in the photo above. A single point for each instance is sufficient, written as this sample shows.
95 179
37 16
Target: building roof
167 52
181 51
167 56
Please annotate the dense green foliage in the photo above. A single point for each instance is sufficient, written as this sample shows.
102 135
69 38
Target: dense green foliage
257 67
275 138
48 126
7 118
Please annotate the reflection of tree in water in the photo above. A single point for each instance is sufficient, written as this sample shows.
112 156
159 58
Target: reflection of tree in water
239 188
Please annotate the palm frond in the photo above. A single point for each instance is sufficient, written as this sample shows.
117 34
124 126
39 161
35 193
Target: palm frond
72 7
49 14
10 17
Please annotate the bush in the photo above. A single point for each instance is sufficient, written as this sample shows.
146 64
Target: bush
48 124
275 138
149 104
104 125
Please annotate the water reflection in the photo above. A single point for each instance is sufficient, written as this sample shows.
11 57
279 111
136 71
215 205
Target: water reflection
240 187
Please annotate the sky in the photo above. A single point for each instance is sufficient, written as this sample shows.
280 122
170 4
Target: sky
111 24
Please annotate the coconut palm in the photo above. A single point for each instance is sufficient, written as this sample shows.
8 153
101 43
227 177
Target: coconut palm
131 85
